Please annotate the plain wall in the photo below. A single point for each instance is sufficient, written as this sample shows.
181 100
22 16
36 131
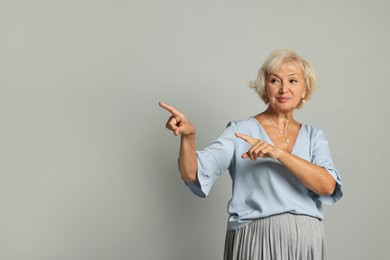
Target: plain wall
87 168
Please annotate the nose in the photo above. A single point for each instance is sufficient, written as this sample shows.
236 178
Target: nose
282 88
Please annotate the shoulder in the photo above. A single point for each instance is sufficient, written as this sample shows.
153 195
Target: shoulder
243 124
313 132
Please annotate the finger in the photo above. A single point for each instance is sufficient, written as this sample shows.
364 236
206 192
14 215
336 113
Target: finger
261 149
172 123
170 109
245 156
179 130
175 126
259 152
249 155
246 138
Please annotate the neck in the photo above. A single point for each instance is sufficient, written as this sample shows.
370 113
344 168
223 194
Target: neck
279 121
282 120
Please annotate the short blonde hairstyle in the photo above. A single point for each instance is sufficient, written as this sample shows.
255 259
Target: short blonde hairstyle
277 59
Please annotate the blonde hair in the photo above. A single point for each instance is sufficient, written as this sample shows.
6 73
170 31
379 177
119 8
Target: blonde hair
274 61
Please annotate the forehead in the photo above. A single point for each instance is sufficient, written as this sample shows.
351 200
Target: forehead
288 68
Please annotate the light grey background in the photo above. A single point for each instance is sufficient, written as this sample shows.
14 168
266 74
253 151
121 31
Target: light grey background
87 169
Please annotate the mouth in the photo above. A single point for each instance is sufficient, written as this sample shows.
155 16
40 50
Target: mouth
283 99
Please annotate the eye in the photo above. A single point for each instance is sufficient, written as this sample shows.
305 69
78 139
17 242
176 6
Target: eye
274 81
293 81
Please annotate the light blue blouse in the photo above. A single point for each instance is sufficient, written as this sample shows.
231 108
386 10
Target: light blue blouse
263 187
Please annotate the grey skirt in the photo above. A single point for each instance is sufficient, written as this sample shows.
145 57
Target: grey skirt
279 237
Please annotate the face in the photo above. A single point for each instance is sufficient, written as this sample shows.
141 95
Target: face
285 87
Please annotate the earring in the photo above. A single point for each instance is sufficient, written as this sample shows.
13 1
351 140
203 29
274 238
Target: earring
266 101
303 100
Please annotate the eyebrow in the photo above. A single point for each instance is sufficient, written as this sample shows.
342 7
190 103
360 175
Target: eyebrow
292 74
273 74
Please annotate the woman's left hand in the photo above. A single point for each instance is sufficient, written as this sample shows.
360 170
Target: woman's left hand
314 177
259 148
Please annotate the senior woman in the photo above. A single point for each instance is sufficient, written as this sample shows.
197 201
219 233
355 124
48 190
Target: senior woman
281 169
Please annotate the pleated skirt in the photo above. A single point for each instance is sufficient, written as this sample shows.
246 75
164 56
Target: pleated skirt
279 237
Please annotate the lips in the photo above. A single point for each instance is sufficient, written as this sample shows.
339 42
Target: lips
283 99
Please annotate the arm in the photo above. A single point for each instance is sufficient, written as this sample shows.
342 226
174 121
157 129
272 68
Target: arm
188 164
314 177
180 125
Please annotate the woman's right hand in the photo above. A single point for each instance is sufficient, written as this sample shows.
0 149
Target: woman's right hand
178 122
179 125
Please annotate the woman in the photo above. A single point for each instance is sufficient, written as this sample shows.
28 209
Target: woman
282 170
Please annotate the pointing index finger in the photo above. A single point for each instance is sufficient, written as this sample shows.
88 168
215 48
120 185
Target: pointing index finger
246 138
170 109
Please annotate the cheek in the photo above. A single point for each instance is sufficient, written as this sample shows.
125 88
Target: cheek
270 90
301 91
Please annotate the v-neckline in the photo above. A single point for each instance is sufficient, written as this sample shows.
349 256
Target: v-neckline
270 140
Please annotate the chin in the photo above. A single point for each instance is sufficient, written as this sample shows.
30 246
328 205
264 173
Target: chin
285 109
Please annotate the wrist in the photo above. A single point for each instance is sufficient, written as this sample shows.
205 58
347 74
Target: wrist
279 154
190 133
188 136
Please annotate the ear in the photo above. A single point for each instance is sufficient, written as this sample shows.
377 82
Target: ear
305 92
265 96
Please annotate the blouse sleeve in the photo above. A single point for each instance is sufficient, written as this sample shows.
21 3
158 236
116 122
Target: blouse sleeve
321 156
213 161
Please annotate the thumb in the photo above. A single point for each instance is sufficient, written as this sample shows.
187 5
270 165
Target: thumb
245 156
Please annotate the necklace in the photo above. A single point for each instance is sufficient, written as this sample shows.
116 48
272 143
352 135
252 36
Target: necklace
283 132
